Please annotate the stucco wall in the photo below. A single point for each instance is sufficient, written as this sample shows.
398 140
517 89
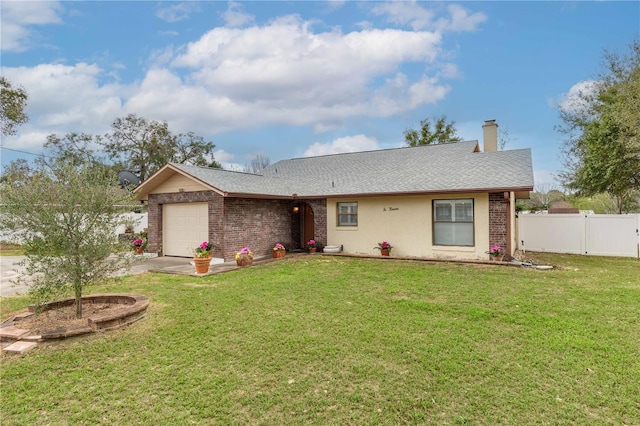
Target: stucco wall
178 183
405 222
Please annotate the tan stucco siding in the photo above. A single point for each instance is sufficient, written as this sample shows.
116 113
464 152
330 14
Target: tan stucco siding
405 222
176 183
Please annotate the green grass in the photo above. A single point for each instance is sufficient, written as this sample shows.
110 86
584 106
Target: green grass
344 341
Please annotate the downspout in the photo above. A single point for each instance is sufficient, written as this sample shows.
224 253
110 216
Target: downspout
513 234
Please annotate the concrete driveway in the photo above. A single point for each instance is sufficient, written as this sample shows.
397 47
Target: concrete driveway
10 271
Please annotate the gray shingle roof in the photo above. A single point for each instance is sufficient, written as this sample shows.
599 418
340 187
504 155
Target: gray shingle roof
441 168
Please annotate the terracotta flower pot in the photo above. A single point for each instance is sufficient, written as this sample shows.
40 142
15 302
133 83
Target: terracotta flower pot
278 254
312 249
202 264
138 250
384 252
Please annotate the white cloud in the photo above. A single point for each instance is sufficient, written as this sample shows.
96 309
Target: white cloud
341 145
235 17
18 18
285 74
64 99
177 11
280 73
574 100
406 13
417 17
336 4
461 20
222 156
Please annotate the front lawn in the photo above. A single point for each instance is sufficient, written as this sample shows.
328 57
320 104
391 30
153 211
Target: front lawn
344 341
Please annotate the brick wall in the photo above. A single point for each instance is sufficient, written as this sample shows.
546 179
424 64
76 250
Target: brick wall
235 223
215 204
319 208
498 213
255 223
320 221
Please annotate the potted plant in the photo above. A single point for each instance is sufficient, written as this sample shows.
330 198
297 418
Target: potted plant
279 251
496 252
311 244
384 247
244 257
138 245
202 257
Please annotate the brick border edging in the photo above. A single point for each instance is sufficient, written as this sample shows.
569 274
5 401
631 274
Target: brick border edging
135 308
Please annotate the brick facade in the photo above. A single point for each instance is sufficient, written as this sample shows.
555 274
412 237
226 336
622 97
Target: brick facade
320 221
319 208
235 223
255 223
498 220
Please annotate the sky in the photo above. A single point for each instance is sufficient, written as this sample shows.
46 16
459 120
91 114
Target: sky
302 78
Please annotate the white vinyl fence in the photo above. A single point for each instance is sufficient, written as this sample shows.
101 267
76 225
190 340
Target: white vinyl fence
138 220
596 235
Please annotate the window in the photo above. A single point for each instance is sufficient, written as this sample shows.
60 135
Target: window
453 222
348 214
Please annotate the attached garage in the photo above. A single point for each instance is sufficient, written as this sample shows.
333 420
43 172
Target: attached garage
184 226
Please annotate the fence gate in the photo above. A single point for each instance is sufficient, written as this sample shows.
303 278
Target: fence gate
597 235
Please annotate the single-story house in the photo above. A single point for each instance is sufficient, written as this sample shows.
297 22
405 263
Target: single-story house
438 201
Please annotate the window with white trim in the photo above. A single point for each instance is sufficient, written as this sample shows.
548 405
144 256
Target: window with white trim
348 214
453 222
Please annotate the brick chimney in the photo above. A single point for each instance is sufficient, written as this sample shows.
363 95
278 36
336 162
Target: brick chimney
490 135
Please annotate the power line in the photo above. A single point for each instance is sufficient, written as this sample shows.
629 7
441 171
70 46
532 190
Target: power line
23 152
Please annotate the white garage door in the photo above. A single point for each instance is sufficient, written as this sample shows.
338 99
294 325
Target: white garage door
184 227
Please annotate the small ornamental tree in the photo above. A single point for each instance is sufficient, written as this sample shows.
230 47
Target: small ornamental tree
66 216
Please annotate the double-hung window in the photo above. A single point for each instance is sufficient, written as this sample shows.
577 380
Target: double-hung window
453 222
348 214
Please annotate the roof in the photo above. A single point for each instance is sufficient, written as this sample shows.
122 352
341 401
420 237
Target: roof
452 167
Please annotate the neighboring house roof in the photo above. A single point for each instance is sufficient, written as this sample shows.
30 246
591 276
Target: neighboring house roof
453 167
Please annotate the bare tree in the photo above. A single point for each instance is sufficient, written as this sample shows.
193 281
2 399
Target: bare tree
257 164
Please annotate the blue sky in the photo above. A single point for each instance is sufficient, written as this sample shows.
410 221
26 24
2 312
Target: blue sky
293 79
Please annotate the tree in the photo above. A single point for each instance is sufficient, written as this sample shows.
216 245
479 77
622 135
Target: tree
144 146
602 150
17 173
138 144
188 148
66 216
257 164
12 104
604 203
442 132
543 197
74 148
505 138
